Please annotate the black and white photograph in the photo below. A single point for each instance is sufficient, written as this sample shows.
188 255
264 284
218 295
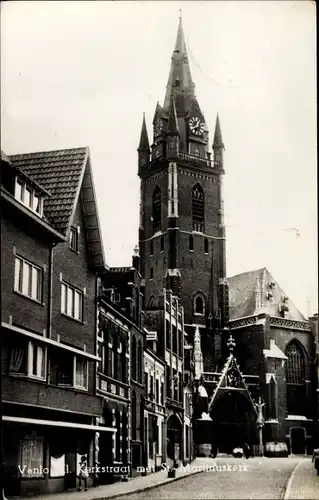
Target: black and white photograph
159 250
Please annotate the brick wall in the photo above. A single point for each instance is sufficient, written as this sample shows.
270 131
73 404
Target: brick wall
24 312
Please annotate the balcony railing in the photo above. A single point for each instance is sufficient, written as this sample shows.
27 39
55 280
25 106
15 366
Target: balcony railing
196 160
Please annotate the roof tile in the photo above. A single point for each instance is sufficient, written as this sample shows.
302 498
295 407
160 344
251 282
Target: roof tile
59 172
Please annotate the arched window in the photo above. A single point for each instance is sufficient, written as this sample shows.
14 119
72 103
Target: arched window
199 305
295 379
272 407
157 210
198 209
140 361
134 364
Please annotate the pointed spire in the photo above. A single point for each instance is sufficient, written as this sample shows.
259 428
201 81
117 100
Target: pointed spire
172 126
180 79
218 140
144 143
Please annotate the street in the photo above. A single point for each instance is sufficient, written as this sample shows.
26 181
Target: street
256 478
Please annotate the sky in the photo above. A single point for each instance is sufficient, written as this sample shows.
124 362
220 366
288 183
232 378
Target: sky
82 73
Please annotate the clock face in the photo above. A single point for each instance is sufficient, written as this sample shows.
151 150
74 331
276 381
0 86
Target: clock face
196 126
158 126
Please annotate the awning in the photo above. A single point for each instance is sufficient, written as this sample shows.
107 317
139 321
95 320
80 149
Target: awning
57 423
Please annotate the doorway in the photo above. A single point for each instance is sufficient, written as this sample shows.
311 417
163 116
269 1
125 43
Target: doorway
298 440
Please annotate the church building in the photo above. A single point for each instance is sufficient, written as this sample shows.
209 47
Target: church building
253 351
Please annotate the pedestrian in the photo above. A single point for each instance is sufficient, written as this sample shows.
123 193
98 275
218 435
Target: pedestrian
246 450
83 474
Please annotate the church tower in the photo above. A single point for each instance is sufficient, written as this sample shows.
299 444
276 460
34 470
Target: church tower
181 232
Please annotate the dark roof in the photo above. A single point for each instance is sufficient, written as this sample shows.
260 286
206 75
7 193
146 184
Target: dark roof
4 157
242 296
60 173
67 175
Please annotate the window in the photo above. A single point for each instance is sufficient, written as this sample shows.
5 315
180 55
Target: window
139 362
36 361
32 455
196 152
157 210
199 305
28 279
111 358
168 335
191 243
28 359
134 416
72 371
118 437
198 208
206 245
71 302
162 393
151 247
80 373
151 273
295 379
146 383
74 239
134 363
272 408
151 393
162 243
30 197
157 394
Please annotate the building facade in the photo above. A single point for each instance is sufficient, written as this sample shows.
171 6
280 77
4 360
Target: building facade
154 409
51 254
124 288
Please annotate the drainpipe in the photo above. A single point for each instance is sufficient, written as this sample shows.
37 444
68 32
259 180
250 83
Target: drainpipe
50 297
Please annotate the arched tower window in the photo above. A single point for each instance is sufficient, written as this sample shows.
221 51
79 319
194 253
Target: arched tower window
295 379
198 212
199 305
157 210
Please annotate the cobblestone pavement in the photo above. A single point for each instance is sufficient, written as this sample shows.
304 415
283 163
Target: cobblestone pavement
304 482
257 478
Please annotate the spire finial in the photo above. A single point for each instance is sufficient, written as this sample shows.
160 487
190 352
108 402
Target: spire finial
231 344
180 14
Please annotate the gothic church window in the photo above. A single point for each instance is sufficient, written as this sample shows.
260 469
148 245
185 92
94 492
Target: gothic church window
295 379
157 210
272 399
198 208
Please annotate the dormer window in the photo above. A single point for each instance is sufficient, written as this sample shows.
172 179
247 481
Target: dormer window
26 194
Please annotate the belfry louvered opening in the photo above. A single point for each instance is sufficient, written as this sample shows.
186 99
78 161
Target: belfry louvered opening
198 210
